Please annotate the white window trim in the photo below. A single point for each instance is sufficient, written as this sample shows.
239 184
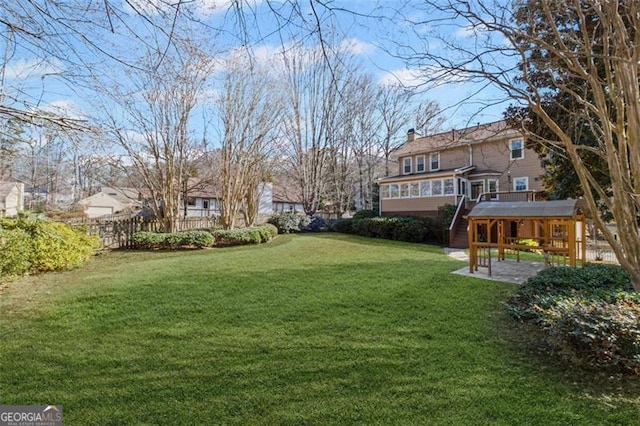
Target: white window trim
404 171
526 179
431 162
424 164
497 181
511 157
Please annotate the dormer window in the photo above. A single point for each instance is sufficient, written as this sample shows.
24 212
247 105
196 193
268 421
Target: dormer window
516 147
434 161
420 166
406 166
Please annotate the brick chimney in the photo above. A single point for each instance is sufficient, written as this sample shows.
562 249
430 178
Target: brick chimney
411 135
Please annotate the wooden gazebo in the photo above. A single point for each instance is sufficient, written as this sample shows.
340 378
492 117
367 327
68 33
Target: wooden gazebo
557 228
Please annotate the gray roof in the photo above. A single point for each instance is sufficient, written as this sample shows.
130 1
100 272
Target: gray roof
527 209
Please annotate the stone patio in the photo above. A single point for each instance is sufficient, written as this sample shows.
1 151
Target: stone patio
508 271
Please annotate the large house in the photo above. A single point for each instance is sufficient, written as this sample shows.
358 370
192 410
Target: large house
443 168
11 198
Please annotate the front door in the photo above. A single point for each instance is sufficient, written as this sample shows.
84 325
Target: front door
477 188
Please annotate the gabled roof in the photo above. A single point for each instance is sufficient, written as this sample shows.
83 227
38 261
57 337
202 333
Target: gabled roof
286 191
460 137
123 195
527 209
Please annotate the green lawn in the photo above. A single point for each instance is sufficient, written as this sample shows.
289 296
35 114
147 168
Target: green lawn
309 329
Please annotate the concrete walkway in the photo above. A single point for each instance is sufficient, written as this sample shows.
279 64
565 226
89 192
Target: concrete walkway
508 271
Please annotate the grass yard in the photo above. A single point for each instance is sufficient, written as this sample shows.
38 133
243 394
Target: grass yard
309 329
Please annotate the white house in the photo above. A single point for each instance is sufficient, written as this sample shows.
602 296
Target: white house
11 198
110 201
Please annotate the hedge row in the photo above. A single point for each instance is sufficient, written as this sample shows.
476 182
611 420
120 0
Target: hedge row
255 235
589 316
30 244
202 239
174 240
401 228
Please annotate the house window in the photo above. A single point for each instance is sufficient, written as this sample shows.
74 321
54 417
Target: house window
406 166
434 161
385 191
394 191
420 164
425 188
449 188
517 149
493 187
191 202
521 184
436 187
205 204
404 190
414 189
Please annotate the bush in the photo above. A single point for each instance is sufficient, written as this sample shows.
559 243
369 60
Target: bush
364 214
148 240
590 315
255 235
401 228
17 252
598 333
156 240
289 222
199 239
316 224
33 244
342 225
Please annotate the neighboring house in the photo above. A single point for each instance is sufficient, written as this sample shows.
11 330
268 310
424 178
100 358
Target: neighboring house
11 198
286 198
449 167
110 201
206 199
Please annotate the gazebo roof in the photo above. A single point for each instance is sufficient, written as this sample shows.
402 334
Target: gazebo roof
527 209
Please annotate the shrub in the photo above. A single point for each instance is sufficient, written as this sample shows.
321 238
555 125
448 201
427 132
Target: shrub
156 240
590 315
17 252
289 222
402 228
199 239
598 333
58 246
148 240
316 224
255 235
364 214
342 225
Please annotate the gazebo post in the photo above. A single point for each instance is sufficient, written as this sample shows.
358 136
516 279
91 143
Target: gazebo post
471 234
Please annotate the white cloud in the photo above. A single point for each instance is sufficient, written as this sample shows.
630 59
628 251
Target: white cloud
26 68
63 108
356 47
201 7
405 77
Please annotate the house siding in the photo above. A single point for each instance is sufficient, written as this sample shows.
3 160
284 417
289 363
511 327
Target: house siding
420 204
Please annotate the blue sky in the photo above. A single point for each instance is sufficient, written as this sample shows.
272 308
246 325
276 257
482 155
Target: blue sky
377 31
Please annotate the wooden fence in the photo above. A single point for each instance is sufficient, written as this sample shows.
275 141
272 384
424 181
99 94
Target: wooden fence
116 231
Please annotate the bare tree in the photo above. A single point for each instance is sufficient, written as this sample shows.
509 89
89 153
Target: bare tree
591 50
150 124
315 84
249 109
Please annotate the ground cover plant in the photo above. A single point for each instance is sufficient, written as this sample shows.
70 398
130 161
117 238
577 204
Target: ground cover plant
310 329
589 316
